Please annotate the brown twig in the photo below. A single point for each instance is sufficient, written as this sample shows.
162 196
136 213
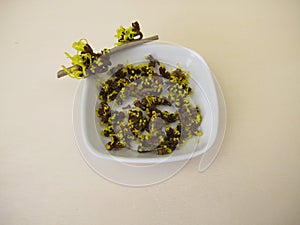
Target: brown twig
62 73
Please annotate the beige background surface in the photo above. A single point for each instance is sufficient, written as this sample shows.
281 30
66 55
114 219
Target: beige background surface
252 46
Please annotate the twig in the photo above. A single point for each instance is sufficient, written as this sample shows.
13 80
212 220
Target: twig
62 73
133 43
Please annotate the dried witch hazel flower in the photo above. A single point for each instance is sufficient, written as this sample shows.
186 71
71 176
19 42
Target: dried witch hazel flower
125 35
143 122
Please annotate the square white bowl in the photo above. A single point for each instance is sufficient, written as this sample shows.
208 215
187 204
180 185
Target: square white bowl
204 94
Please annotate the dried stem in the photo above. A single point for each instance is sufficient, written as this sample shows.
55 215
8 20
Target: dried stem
63 73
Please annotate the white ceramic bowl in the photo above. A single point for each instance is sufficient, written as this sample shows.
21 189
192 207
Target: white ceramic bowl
204 95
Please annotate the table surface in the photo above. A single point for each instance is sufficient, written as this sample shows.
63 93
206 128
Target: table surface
252 46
